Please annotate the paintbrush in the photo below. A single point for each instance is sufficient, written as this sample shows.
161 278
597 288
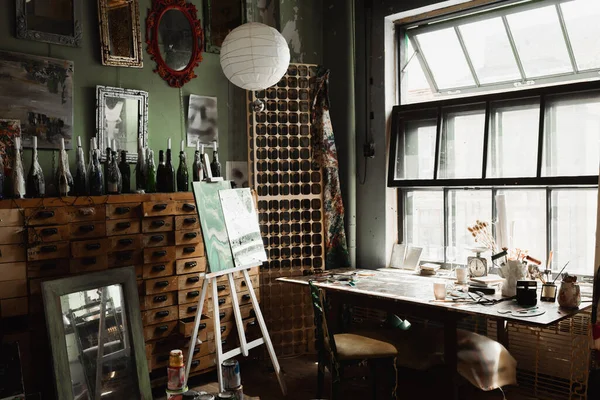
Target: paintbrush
563 268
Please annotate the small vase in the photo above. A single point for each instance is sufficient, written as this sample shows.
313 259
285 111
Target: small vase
569 295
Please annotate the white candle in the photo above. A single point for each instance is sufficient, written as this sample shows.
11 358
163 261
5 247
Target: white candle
35 142
215 145
182 146
114 145
169 144
78 140
197 145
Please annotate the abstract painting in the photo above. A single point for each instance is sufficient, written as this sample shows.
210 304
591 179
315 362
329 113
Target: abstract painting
243 229
38 91
237 173
202 120
9 130
212 222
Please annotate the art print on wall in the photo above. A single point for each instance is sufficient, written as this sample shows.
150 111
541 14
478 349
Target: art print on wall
237 173
202 120
38 91
9 130
220 18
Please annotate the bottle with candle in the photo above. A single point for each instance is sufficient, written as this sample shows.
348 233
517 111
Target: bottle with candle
62 178
95 178
112 172
125 170
183 177
151 172
161 173
69 175
115 160
141 169
80 172
107 163
36 185
18 176
197 174
170 171
215 165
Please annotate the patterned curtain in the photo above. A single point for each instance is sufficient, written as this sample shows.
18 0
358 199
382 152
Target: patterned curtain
325 153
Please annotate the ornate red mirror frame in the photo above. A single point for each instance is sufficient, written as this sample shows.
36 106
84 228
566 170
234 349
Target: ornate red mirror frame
159 8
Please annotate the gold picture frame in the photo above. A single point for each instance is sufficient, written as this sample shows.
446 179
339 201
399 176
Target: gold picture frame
120 42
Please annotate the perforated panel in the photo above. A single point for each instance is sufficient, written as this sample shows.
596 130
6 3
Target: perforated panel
290 203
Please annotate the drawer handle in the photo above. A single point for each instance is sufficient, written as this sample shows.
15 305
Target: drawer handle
221 315
222 301
220 288
123 225
193 279
191 235
191 309
122 210
158 268
189 207
88 261
159 207
189 249
223 342
125 242
195 293
195 363
159 223
159 299
162 328
190 264
93 246
48 249
243 283
157 238
196 350
124 256
162 284
47 266
162 314
223 328
190 220
162 358
49 231
44 214
252 323
202 326
87 228
159 253
246 297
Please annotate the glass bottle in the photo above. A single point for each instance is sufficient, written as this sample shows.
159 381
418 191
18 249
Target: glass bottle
183 178
80 173
215 165
141 169
113 174
18 176
95 178
107 163
70 179
62 178
170 171
161 173
197 174
151 172
36 185
125 170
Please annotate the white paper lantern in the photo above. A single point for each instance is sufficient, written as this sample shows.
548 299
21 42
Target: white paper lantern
254 56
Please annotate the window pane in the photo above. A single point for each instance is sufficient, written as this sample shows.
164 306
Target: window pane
526 220
490 51
574 229
572 135
581 18
540 42
464 208
446 59
414 83
424 216
462 144
416 150
513 139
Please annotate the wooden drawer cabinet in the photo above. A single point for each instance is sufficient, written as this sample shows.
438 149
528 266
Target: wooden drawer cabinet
158 208
242 286
87 230
189 281
88 248
188 296
158 224
160 315
189 250
88 213
203 363
88 264
45 268
45 234
47 216
226 314
123 227
11 235
186 327
13 271
46 251
191 236
160 331
11 289
185 207
226 329
190 265
126 242
187 222
11 217
157 270
244 298
247 311
158 300
125 258
224 301
159 254
206 348
158 239
161 285
123 210
190 310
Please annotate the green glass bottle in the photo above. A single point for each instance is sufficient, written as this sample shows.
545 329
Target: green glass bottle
183 178
151 172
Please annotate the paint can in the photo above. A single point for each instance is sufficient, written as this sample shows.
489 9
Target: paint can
231 374
238 392
175 371
176 394
226 396
206 396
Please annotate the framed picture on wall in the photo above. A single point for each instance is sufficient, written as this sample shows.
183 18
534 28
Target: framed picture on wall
220 18
56 21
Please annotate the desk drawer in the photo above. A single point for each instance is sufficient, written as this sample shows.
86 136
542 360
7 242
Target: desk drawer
159 361
158 270
224 301
13 271
161 285
223 289
12 253
186 222
123 227
47 216
226 329
158 224
88 213
45 268
46 251
159 254
203 363
186 327
158 208
191 236
158 239
11 217
88 264
247 311
190 310
11 289
189 281
201 350
14 307
190 265
87 230
158 300
186 207
89 248
128 242
190 250
189 296
226 314
242 286
244 298
125 258
160 315
12 235
159 331
123 211
46 234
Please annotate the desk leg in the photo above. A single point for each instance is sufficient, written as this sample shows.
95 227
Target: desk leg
502 332
451 357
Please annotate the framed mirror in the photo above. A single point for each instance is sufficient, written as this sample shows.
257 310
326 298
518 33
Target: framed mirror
51 21
96 335
220 18
120 34
175 40
122 115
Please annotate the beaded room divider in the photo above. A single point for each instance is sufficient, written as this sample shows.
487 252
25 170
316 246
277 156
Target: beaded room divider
290 204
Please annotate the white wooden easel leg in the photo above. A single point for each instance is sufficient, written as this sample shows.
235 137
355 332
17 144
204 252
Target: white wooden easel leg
265 333
196 327
100 348
238 316
218 344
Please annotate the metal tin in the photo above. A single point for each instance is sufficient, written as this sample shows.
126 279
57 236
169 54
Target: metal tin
176 394
226 396
206 396
238 392
191 395
231 374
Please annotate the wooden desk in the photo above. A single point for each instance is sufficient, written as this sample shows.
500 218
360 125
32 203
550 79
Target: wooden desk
407 293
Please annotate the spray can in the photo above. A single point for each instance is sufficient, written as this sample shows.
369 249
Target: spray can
175 371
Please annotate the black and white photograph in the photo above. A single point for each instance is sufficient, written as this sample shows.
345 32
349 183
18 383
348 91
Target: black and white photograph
202 120
237 173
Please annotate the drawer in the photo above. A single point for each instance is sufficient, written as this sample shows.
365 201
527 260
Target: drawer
123 210
189 310
12 253
158 300
158 224
11 289
88 213
224 301
159 331
139 272
247 311
125 258
191 236
13 271
158 239
159 361
88 264
185 207
11 217
244 298
158 208
141 287
127 242
188 296
226 329
14 307
47 251
190 265
186 222
87 230
47 216
186 327
222 289
189 281
160 315
44 268
12 235
201 350
123 227
44 234
157 270
226 314
250 324
190 250
159 254
161 285
203 363
89 248
242 286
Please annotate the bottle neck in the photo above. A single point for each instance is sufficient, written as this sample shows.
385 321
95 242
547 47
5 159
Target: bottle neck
168 156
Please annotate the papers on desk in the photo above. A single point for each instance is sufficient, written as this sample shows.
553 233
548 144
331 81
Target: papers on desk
487 280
